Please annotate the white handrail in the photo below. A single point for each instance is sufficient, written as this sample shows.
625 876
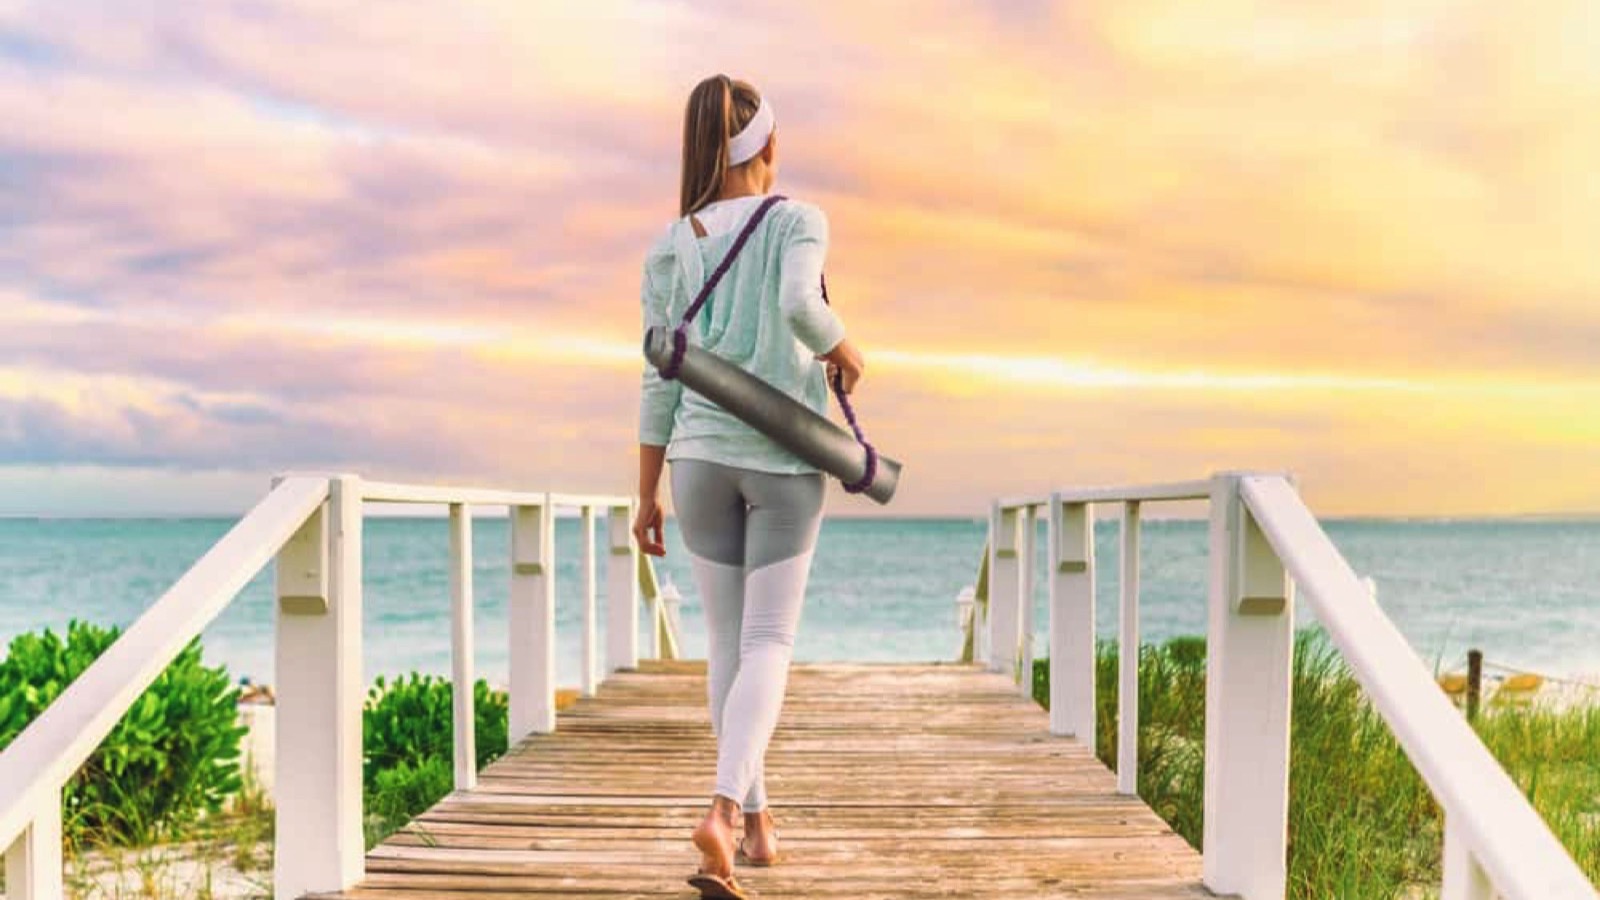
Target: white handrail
1264 543
35 766
1150 493
397 492
1503 832
312 524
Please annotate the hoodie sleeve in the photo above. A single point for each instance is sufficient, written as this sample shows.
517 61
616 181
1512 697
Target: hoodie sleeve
658 397
800 291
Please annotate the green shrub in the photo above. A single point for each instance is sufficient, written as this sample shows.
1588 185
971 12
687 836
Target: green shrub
403 792
173 758
1554 756
409 762
408 721
1361 821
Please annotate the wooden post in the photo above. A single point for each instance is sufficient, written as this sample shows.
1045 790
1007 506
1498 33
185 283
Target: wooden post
1128 657
33 861
464 741
1474 682
1025 600
1249 659
319 695
590 677
1072 675
1005 625
532 622
622 591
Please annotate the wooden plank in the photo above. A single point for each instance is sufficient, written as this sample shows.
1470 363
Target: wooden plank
890 781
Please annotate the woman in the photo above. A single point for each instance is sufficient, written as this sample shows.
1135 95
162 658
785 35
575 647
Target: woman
749 510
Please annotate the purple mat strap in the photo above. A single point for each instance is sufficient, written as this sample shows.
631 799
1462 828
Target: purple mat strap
680 336
680 341
856 487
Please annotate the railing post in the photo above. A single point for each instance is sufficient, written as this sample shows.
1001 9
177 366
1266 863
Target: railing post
1005 625
650 593
622 591
1128 657
1072 665
33 861
1464 879
318 665
1025 600
590 677
668 602
966 608
1249 667
464 740
976 647
531 615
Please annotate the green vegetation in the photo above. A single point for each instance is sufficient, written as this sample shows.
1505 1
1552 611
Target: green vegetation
1362 824
407 733
166 791
172 760
1361 821
1555 758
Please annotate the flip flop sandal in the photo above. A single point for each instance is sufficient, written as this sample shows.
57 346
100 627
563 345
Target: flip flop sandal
715 887
740 855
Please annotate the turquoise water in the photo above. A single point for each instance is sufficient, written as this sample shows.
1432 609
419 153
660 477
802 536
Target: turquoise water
1527 593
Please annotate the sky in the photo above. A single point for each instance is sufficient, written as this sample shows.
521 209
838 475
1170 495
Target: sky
1079 242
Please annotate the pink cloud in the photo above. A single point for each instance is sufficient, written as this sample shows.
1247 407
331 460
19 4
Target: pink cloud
1379 192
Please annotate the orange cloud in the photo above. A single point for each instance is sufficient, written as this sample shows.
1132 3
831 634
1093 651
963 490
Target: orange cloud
1102 241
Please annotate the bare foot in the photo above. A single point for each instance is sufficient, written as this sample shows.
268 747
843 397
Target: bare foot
714 837
760 842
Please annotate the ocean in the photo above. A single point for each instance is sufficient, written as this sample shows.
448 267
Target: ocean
1525 592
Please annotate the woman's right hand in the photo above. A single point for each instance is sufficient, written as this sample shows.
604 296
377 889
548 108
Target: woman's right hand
845 363
647 527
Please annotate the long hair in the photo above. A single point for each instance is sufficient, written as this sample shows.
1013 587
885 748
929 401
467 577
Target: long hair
719 107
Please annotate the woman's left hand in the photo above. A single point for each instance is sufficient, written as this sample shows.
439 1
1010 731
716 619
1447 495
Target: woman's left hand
647 528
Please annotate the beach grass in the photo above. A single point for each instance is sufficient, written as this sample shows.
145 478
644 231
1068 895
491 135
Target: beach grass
1361 821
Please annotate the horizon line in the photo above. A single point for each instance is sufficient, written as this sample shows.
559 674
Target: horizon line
1580 516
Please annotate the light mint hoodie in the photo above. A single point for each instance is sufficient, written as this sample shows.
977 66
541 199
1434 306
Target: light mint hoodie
766 316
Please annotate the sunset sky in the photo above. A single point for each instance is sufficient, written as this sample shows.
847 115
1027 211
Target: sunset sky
1079 242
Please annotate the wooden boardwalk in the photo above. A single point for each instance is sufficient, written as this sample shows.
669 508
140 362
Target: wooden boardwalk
888 781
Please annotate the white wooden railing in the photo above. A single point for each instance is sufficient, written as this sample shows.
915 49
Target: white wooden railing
312 524
1264 544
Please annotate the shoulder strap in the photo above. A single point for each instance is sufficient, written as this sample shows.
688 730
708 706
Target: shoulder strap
680 339
727 261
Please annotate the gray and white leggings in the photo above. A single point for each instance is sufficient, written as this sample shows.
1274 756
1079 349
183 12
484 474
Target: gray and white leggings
750 536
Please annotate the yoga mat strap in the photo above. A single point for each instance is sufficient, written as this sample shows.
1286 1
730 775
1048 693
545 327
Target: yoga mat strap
871 472
680 346
680 337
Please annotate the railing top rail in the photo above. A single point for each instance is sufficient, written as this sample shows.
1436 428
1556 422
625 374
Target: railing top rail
35 765
599 500
1139 493
397 492
1509 838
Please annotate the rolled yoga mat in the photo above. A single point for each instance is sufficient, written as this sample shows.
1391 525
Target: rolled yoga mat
813 438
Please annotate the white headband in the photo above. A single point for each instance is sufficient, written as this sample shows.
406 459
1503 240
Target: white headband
753 138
